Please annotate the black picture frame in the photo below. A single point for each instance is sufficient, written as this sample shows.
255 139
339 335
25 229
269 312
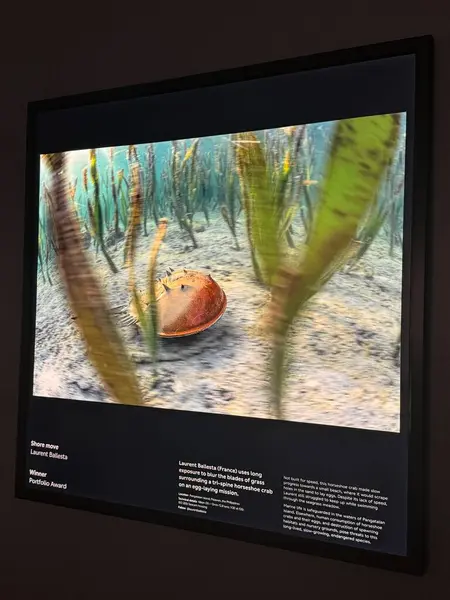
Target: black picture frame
418 300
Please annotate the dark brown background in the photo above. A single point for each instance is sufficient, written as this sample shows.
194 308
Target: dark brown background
48 552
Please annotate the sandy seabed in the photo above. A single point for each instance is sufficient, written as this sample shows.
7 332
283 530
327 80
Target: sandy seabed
342 371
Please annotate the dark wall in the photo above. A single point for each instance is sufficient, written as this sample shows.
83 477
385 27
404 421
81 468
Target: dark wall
48 552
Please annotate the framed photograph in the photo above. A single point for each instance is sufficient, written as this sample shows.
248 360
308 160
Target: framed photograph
224 303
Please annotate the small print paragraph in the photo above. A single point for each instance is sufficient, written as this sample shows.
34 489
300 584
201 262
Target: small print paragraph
202 486
323 509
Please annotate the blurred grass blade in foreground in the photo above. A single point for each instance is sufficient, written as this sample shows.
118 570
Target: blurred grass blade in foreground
98 217
361 150
261 203
134 223
152 328
131 246
104 345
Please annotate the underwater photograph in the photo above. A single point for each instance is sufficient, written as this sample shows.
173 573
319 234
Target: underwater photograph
255 274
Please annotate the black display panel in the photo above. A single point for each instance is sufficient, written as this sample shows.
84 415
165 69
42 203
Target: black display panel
224 303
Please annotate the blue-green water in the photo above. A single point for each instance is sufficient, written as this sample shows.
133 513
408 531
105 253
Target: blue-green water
210 149
213 163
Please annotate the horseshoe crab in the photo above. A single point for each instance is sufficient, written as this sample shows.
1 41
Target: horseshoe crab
188 302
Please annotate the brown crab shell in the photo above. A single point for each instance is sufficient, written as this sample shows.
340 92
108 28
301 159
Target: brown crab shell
188 302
